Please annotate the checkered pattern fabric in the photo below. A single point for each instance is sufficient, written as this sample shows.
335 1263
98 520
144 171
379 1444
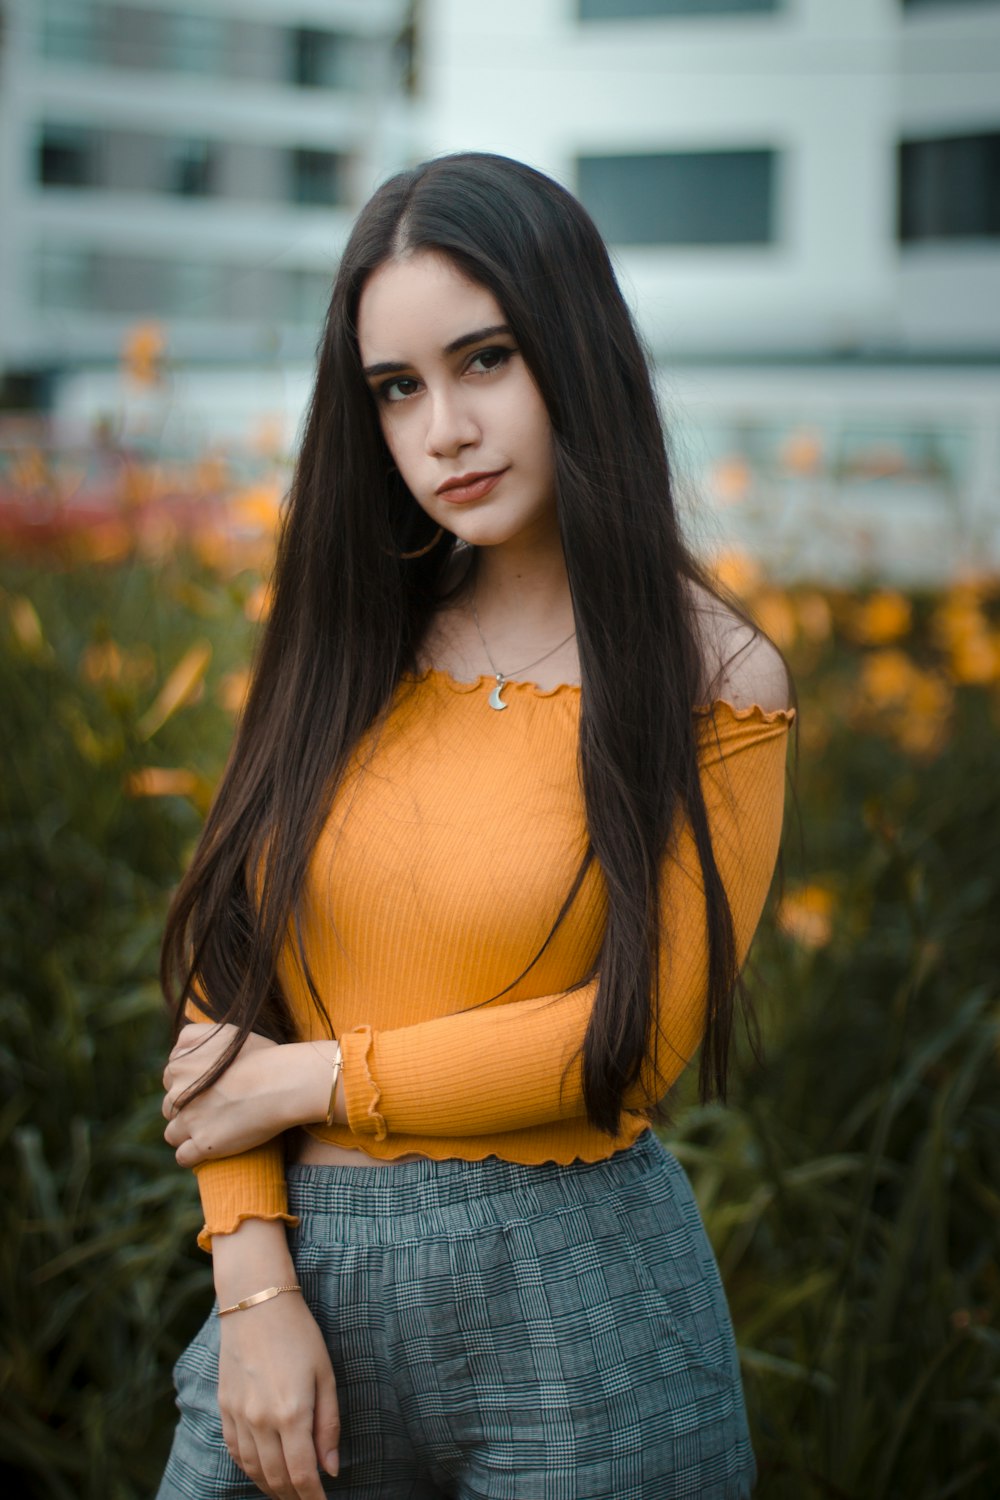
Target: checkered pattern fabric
505 1332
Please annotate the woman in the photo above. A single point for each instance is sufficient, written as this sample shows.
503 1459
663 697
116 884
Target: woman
497 828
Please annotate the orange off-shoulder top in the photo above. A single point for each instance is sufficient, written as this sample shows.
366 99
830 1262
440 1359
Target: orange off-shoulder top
450 847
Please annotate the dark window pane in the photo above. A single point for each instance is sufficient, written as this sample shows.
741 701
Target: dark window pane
317 177
322 59
67 157
684 198
634 10
950 188
190 169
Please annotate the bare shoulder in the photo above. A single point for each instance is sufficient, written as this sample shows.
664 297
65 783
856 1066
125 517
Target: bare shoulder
740 664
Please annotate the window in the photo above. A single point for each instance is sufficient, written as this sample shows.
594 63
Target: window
681 198
635 10
322 59
317 177
68 156
189 169
950 188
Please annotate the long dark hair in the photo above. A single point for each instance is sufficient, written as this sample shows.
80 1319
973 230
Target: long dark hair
348 616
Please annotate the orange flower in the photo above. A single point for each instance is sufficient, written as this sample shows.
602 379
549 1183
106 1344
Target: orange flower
815 616
181 687
776 616
802 452
159 781
887 677
26 625
883 618
806 915
729 479
142 353
259 601
232 691
738 572
976 659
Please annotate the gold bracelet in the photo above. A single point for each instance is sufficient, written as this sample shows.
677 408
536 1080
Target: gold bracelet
338 1068
272 1291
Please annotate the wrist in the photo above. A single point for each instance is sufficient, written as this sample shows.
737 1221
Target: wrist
316 1071
254 1256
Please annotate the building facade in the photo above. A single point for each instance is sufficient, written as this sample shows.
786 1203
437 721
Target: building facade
803 203
197 164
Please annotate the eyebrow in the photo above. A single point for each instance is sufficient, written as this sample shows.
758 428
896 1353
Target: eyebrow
393 367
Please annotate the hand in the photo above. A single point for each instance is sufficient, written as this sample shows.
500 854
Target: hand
278 1397
265 1089
238 1111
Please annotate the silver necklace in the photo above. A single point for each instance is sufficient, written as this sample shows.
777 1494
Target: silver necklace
496 701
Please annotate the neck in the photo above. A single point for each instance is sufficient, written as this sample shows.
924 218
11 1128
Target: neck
524 586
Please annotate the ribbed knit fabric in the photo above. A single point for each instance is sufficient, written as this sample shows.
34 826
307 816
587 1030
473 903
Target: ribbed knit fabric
451 845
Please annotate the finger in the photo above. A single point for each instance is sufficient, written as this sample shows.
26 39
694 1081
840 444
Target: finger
247 1456
190 1154
273 1466
300 1462
326 1424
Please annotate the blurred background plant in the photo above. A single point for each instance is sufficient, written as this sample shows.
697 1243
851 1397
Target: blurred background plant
850 1186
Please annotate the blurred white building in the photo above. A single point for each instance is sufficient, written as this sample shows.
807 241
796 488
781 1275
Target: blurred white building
194 162
803 199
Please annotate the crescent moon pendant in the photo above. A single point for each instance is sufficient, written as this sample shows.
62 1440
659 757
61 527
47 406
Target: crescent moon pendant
495 699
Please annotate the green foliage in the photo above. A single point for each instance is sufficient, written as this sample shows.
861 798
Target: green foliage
850 1186
100 1283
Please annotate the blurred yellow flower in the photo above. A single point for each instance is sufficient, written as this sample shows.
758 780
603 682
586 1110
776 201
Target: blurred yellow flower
976 659
884 617
729 479
737 571
259 505
142 353
105 661
776 616
887 677
815 616
28 470
160 781
806 915
102 662
232 691
259 601
802 452
26 626
183 683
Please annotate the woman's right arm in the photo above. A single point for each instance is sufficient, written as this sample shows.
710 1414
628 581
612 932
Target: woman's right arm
277 1392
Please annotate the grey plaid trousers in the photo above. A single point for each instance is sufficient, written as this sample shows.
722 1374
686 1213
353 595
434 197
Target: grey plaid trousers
504 1332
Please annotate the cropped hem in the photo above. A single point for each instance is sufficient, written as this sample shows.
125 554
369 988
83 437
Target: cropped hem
363 1114
205 1235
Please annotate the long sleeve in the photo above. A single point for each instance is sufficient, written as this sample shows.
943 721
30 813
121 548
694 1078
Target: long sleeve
248 1186
501 1067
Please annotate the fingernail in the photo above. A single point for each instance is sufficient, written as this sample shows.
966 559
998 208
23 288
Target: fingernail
332 1463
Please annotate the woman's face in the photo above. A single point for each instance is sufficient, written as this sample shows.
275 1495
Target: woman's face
456 401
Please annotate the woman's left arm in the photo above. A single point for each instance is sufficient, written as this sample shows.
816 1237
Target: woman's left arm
266 1090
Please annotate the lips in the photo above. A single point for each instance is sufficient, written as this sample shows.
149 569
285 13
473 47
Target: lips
469 486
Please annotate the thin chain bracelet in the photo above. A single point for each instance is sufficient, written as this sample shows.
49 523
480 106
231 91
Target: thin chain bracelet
265 1296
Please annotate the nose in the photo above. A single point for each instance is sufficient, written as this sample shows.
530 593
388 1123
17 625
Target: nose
451 424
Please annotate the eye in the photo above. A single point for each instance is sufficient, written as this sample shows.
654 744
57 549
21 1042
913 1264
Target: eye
385 392
492 359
